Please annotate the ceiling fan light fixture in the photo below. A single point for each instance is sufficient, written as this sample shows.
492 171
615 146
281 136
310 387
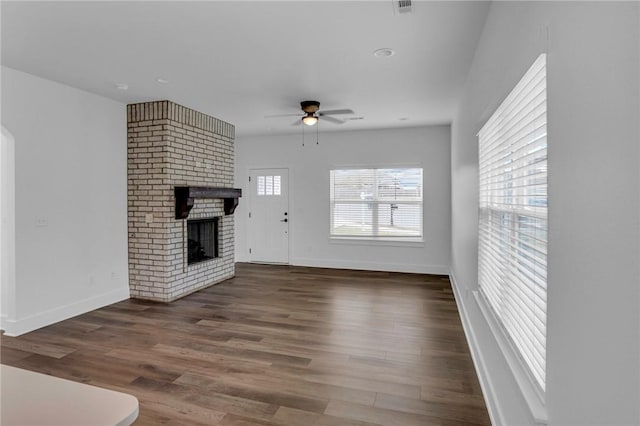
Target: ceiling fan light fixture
310 119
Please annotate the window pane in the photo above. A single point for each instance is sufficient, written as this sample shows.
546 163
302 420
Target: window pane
276 185
353 185
399 184
269 185
352 219
399 220
261 190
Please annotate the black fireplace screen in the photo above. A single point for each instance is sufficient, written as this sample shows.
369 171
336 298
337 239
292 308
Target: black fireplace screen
202 239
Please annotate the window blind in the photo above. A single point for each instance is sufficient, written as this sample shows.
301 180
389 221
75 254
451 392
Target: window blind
512 235
376 203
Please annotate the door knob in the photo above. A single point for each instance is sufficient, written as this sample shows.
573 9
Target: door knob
285 220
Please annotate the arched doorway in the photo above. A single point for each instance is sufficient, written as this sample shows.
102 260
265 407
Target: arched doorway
7 230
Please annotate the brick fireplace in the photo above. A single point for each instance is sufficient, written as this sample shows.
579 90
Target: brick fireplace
173 146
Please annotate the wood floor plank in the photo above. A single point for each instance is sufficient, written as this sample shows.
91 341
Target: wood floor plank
288 349
443 410
292 417
286 416
415 375
46 349
280 397
175 411
276 346
438 394
340 378
10 355
327 420
236 420
211 400
277 381
384 417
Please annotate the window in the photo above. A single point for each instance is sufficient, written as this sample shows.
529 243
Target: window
512 240
268 185
376 203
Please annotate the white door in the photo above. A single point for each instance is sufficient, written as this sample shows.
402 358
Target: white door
269 216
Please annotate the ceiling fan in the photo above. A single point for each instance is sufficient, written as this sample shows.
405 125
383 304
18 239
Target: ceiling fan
312 114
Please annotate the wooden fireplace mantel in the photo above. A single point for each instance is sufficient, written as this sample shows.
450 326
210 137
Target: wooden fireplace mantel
186 195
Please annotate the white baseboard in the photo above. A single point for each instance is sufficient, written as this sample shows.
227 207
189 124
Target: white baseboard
488 390
371 266
33 322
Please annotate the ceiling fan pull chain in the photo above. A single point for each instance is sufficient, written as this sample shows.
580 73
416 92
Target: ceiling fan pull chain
303 136
317 126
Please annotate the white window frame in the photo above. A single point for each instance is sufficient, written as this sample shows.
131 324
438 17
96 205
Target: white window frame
416 240
511 297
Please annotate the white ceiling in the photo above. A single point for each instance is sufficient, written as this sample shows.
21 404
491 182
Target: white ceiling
242 60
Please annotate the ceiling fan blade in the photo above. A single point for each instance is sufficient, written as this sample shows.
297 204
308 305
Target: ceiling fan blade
296 123
336 112
281 115
332 120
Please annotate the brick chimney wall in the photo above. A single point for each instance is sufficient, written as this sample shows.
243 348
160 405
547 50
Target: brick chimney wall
170 145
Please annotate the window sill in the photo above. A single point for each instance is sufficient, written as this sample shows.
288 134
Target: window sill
530 392
379 241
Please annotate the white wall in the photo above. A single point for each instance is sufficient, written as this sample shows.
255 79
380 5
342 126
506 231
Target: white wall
70 172
7 226
426 147
593 360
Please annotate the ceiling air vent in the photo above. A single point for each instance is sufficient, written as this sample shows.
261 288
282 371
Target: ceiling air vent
402 6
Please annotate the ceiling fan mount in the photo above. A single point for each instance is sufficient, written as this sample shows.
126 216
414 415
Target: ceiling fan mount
310 107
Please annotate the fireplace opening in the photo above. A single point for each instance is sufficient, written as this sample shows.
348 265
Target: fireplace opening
202 240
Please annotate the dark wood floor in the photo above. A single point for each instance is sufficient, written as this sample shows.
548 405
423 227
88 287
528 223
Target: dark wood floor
276 345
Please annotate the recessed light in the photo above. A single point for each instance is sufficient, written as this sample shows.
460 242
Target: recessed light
162 80
122 86
384 53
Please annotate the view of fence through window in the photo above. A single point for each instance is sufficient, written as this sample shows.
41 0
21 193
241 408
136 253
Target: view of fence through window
384 203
